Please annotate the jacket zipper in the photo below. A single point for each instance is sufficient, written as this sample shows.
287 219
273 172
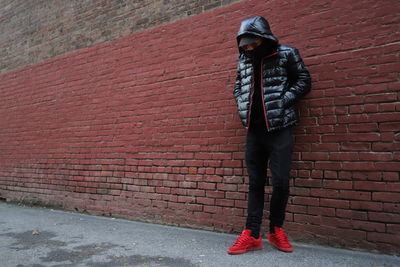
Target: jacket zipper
262 95
262 89
262 92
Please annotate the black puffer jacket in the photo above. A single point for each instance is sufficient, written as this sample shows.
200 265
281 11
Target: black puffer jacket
284 79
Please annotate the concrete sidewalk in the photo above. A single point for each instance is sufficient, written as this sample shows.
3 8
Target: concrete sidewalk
43 237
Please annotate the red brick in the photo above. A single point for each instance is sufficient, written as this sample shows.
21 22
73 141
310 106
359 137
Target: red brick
391 207
389 146
227 187
384 238
371 175
376 156
224 202
323 211
386 196
235 195
308 182
370 186
338 184
390 176
297 209
215 194
363 127
205 201
393 228
314 156
325 147
207 186
388 166
355 195
330 175
359 166
327 165
335 203
340 156
352 214
297 191
310 201
328 193
335 221
385 217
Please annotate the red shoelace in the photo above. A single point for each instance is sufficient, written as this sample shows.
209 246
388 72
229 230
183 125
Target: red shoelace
241 240
281 236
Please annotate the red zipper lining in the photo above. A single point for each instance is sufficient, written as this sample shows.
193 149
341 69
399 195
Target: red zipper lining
262 92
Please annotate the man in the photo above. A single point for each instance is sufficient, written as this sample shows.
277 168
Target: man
271 78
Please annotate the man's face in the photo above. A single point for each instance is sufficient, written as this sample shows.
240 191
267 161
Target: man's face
252 46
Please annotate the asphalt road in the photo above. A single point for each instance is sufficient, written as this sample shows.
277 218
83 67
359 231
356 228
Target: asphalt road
34 237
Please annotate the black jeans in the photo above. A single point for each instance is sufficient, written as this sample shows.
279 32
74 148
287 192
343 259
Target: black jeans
261 147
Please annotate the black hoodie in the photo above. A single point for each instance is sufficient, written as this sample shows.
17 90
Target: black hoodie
256 26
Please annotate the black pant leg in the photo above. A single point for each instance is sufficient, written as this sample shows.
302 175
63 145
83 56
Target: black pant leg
278 204
280 165
256 162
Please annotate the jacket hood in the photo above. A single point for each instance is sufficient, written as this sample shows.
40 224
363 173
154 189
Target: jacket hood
256 26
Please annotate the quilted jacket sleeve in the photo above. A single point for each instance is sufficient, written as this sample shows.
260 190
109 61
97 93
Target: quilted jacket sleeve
236 89
300 77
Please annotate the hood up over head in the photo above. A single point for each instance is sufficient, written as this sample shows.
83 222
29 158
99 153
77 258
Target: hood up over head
256 26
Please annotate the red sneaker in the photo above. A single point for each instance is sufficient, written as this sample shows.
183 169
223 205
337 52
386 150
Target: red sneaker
280 240
245 243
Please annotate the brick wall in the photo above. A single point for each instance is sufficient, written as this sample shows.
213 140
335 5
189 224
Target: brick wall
32 31
145 126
